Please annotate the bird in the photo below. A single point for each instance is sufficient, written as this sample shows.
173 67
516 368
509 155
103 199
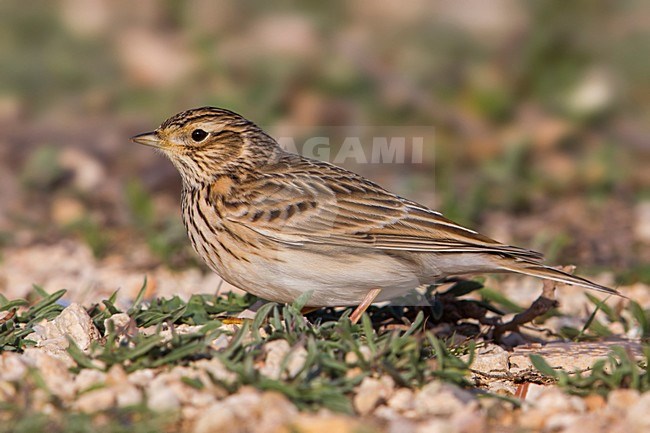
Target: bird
277 224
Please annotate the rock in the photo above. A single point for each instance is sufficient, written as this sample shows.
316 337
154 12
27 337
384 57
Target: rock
74 323
277 411
594 402
502 387
560 421
278 354
120 321
245 404
162 399
548 403
54 372
167 391
141 378
7 392
592 423
127 395
490 360
215 368
402 400
619 401
325 423
88 378
568 356
436 425
469 419
116 376
249 410
12 367
95 400
441 399
637 415
216 419
371 392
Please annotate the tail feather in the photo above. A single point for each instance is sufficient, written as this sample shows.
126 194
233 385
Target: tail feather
549 273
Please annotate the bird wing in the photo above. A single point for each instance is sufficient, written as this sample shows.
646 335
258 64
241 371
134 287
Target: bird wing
297 201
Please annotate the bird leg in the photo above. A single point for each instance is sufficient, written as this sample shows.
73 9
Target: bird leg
358 312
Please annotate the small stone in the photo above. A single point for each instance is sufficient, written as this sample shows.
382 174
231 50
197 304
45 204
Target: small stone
116 375
371 392
170 385
637 414
119 321
245 404
560 421
594 402
12 368
402 400
469 419
366 353
619 401
73 322
95 400
127 395
215 368
7 392
88 378
502 387
441 399
436 425
141 378
217 418
351 358
162 399
532 419
54 372
552 400
593 423
277 410
386 413
279 353
491 359
319 423
221 342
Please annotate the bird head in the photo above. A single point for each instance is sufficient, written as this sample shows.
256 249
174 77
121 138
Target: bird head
205 143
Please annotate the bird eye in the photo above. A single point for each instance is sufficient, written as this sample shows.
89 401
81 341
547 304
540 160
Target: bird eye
199 135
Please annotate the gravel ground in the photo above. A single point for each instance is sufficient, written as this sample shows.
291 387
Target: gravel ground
195 403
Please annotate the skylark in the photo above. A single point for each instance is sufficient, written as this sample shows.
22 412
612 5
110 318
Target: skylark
277 224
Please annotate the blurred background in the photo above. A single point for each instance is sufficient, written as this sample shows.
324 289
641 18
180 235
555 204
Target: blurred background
541 112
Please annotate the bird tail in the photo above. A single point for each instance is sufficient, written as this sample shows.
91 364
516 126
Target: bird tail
549 273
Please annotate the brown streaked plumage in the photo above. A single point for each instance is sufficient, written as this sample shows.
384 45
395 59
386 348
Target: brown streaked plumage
277 224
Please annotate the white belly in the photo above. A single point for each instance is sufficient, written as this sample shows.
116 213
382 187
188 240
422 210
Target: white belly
338 280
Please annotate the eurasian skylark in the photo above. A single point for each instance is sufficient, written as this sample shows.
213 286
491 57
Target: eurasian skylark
276 224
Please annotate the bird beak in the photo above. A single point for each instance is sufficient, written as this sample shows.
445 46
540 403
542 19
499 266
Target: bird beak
148 139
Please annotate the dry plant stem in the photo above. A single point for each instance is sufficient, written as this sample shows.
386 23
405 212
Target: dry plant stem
542 305
358 312
10 315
